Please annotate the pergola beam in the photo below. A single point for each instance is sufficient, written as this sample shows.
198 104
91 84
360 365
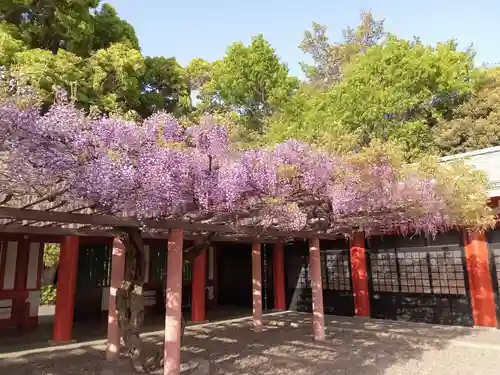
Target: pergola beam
87 232
111 221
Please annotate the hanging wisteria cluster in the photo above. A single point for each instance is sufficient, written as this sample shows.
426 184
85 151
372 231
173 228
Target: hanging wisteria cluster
159 169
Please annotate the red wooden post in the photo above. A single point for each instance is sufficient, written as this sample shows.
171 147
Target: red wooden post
117 274
172 353
66 286
257 286
21 265
359 275
279 276
481 289
198 287
317 290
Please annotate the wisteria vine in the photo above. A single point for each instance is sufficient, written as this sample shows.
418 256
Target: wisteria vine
160 169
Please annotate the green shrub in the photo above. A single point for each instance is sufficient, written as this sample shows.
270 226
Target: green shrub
48 295
51 254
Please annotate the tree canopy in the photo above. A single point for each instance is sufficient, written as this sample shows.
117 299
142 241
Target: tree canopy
250 81
369 87
397 90
331 59
475 123
85 48
79 27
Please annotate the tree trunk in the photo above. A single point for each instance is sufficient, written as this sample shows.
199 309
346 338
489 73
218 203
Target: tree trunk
129 298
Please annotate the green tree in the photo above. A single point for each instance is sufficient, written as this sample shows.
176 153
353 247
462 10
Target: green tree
110 28
199 73
400 89
310 115
91 53
52 24
9 45
397 90
330 59
44 71
475 124
165 86
116 77
107 82
76 26
250 81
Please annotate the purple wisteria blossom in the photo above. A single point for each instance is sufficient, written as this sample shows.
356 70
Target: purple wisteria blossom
158 168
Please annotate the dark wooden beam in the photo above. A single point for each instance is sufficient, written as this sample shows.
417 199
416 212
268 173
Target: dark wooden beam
111 221
64 217
54 231
86 232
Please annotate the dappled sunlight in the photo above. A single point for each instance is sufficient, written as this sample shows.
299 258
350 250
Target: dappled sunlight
286 347
224 339
192 349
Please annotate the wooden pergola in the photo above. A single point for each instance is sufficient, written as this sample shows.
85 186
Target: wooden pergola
47 214
50 213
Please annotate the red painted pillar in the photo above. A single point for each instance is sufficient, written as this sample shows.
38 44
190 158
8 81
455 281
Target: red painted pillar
257 286
117 274
66 286
198 287
172 348
481 289
23 249
359 275
279 276
317 290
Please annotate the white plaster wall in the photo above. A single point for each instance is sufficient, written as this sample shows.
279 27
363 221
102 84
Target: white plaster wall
5 309
34 300
10 266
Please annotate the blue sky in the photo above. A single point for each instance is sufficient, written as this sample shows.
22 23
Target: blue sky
197 28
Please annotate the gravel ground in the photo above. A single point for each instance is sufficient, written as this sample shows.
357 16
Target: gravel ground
286 347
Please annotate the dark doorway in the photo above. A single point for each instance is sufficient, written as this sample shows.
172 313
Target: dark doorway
234 274
94 274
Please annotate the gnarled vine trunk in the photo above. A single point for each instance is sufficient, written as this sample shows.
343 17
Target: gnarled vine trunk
129 297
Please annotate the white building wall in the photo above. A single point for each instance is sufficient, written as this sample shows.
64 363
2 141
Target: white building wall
10 266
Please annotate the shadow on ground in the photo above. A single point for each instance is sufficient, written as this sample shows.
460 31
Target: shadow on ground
284 347
94 329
